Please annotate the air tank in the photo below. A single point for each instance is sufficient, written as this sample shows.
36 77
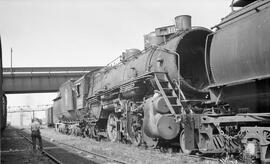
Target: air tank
156 123
238 58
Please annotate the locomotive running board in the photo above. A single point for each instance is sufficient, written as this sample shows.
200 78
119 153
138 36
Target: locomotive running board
168 93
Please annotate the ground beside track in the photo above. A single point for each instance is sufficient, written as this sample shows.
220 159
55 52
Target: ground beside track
124 152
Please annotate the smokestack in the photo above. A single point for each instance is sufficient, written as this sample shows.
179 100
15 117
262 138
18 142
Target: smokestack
183 22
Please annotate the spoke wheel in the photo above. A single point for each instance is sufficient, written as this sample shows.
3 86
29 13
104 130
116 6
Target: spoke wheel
182 143
112 128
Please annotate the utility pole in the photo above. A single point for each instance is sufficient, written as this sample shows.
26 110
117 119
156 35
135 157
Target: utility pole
11 51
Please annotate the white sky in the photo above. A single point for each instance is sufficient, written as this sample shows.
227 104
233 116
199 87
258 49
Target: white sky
88 32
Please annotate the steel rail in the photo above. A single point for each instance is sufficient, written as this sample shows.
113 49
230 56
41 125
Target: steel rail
74 147
93 153
116 160
202 157
122 162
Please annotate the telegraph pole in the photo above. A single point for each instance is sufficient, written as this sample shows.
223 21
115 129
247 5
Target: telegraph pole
11 51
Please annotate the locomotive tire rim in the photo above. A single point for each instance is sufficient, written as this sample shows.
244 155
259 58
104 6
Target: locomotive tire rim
112 128
182 143
134 133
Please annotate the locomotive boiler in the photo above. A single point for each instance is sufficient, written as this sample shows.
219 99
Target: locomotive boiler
206 91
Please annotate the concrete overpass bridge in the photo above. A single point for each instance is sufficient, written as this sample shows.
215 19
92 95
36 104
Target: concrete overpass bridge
39 79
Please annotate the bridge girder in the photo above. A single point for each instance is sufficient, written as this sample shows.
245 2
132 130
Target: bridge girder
40 79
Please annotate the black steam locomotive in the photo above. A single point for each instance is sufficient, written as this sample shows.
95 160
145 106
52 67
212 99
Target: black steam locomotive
206 91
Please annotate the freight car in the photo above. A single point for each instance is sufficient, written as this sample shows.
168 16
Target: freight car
206 91
50 117
3 110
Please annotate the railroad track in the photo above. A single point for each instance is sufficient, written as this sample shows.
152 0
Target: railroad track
95 154
43 151
99 158
215 160
111 159
210 159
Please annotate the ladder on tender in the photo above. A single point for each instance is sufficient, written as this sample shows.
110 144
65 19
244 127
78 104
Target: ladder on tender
165 87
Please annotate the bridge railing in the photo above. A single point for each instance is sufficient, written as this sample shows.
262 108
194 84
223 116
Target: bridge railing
29 70
27 108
